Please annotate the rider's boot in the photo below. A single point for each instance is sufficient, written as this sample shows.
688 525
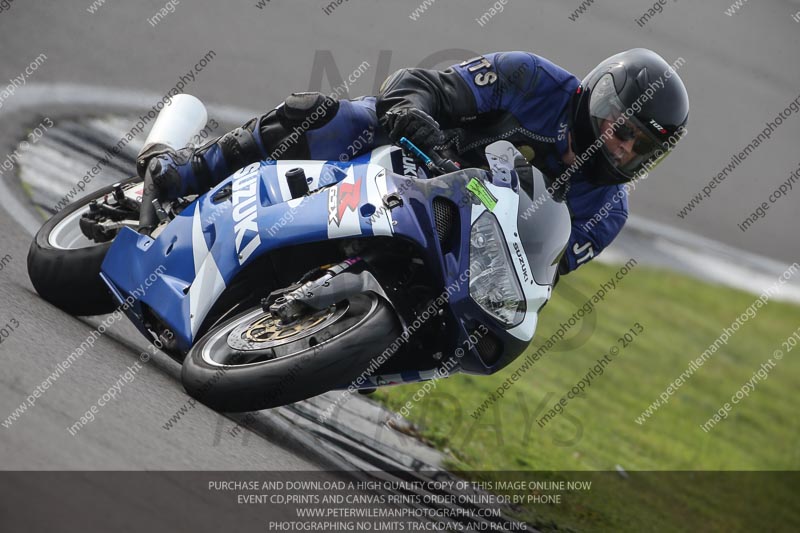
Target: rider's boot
195 170
279 133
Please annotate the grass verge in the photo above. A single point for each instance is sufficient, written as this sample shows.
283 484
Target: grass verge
598 429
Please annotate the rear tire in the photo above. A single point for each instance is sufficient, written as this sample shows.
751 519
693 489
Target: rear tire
70 278
309 368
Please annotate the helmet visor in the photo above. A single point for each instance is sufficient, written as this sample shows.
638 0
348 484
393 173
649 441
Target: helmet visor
627 144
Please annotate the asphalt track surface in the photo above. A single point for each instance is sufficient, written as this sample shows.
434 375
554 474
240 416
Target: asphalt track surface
741 71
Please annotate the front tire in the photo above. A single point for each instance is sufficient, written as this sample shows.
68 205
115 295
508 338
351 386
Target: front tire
238 367
64 266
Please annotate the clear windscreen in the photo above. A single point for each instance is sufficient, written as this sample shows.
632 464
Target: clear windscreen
544 227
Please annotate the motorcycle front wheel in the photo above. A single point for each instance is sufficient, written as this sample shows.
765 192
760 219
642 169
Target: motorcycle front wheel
253 362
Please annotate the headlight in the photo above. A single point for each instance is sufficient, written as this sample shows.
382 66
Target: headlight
493 283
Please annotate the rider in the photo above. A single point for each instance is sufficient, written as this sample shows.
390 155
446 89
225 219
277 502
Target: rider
590 136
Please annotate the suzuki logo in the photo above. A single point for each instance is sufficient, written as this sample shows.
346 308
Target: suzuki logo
350 197
522 264
245 213
409 167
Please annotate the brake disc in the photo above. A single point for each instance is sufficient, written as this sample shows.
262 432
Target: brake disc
267 330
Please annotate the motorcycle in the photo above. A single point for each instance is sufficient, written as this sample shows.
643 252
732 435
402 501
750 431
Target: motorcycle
292 278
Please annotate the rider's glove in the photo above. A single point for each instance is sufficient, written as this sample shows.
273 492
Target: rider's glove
414 124
167 167
152 151
167 180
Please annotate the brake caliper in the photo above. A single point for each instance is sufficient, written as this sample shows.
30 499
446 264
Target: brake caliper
298 300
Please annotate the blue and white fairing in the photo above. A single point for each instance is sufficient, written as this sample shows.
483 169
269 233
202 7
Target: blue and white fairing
203 249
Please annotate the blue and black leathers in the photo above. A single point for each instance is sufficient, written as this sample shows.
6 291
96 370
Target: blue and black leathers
524 99
515 96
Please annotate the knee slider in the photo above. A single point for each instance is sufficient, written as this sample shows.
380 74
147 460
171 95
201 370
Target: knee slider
310 111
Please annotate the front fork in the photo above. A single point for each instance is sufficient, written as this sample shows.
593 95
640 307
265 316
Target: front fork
337 282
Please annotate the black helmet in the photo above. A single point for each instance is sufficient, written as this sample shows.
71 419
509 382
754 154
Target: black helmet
632 96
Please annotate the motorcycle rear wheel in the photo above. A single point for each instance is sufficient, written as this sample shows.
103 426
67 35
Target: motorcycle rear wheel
251 362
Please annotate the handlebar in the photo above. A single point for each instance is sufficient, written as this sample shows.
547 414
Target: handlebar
148 217
435 163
